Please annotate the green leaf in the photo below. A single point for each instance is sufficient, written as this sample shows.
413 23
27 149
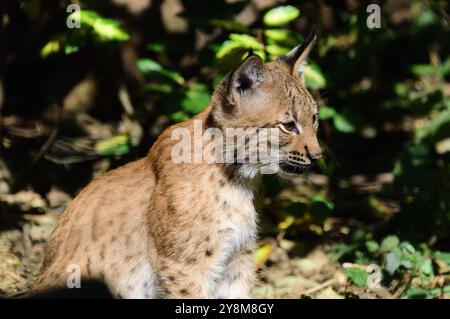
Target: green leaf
407 248
442 69
313 77
426 268
446 291
246 41
217 79
116 145
281 16
92 25
275 50
393 261
322 199
172 75
105 29
197 98
283 37
358 235
372 246
416 293
58 45
357 275
444 256
390 243
179 116
326 112
230 25
231 51
69 49
425 18
157 87
157 47
109 31
148 65
343 123
151 67
423 69
321 206
406 263
438 127
227 48
52 47
401 89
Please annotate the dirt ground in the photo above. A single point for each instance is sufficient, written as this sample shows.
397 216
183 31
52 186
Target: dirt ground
23 240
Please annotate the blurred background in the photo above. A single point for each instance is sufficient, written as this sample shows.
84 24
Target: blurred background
77 102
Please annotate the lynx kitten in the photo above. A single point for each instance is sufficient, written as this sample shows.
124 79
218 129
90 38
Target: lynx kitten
159 229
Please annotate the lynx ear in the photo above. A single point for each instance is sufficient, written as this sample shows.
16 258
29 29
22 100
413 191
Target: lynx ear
247 76
296 58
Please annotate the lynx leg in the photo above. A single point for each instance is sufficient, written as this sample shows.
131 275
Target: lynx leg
137 282
181 280
238 278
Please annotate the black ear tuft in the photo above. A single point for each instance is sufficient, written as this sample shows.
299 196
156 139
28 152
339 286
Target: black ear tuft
298 55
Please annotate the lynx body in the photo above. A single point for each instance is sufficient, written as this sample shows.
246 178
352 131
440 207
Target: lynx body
158 229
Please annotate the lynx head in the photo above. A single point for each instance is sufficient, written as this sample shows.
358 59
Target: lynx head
273 95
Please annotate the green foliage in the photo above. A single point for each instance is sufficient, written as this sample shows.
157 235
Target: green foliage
233 50
395 258
93 28
116 145
442 69
344 122
321 207
313 77
153 69
280 16
422 293
284 38
104 29
196 98
273 43
357 275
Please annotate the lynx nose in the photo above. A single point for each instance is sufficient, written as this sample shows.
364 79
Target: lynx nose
314 156
312 147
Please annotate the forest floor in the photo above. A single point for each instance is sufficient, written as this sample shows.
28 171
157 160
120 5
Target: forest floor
314 275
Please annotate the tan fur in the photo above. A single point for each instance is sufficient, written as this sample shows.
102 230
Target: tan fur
153 228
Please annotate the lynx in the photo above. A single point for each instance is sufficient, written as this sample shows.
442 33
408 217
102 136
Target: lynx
158 229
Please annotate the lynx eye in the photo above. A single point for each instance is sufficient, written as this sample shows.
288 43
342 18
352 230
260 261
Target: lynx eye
314 118
290 127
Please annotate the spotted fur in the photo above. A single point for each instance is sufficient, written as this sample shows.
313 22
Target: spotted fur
156 229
